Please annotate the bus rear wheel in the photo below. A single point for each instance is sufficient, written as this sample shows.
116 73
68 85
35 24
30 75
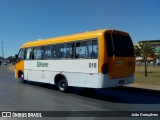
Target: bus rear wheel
62 85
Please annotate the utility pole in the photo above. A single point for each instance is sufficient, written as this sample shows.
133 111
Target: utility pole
2 50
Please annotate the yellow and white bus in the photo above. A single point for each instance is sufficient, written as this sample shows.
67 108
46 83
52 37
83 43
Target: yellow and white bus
95 59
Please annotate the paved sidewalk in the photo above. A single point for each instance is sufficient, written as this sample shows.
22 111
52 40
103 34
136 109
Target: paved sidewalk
144 86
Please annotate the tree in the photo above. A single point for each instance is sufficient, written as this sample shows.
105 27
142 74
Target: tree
144 50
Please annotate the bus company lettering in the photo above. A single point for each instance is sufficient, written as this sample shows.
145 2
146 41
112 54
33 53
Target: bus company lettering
42 64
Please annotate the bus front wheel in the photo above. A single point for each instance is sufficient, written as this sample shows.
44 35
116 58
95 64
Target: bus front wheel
62 85
22 78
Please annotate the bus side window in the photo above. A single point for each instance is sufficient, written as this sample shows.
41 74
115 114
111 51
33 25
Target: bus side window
81 49
38 53
33 53
47 52
54 51
28 54
93 48
69 50
61 51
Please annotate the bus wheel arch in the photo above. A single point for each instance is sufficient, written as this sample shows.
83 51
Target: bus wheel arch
61 82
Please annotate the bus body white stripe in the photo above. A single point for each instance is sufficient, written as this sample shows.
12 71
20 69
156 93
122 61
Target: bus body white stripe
77 72
78 79
80 65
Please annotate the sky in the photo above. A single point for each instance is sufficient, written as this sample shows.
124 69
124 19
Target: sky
22 21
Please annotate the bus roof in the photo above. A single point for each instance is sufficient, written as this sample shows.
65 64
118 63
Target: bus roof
68 38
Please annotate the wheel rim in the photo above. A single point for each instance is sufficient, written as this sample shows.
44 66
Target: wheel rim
22 77
62 85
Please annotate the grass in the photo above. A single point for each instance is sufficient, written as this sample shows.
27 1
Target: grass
153 75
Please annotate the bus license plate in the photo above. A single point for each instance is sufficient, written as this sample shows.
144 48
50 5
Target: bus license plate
121 82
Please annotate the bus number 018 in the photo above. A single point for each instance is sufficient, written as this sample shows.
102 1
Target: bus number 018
92 65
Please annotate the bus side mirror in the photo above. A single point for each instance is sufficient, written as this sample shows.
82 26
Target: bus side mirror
16 56
17 59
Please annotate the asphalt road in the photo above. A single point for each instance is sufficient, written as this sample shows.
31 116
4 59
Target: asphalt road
16 96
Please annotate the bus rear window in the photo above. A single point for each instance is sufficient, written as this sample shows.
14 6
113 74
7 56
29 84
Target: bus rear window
121 46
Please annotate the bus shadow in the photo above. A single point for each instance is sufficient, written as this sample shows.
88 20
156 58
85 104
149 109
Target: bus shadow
43 85
123 94
120 94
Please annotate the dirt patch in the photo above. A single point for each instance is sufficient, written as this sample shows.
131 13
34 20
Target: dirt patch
12 67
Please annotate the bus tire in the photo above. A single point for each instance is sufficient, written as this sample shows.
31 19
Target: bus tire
22 80
62 85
